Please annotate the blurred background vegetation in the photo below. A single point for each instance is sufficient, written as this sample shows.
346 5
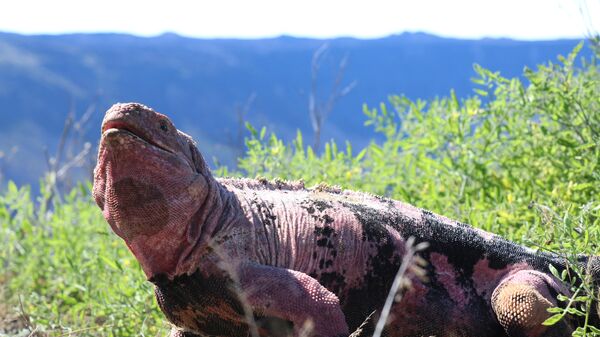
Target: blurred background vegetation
520 157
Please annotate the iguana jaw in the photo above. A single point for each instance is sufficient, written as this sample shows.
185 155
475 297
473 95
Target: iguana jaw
114 128
147 184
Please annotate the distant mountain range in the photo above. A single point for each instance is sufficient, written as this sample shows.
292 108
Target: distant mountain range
202 83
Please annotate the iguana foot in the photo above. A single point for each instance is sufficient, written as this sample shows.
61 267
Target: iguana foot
521 304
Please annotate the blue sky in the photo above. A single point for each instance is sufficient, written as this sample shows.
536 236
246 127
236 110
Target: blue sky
520 19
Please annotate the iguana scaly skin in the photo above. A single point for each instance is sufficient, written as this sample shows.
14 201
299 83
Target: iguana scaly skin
223 252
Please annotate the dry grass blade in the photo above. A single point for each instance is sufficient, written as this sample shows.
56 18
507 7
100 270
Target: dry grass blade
307 329
25 317
230 270
359 332
408 262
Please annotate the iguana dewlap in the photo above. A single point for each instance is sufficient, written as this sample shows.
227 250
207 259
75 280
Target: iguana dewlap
222 251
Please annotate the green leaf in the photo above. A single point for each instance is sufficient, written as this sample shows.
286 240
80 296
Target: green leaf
12 188
361 154
567 142
554 271
114 264
553 319
481 92
250 128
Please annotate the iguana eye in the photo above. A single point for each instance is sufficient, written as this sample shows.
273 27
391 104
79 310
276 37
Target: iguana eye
163 126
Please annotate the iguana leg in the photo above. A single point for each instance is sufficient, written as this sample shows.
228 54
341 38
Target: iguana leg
292 296
521 301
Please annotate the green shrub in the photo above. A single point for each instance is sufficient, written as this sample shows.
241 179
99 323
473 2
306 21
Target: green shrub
67 272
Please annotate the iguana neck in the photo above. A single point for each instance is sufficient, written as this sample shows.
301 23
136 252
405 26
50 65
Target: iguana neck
217 212
198 218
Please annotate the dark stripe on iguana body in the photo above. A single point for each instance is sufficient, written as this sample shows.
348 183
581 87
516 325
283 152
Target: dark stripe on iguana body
293 254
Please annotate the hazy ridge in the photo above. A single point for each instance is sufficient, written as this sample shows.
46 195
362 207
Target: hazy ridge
200 82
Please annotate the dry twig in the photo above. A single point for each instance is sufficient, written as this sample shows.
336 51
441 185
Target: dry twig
318 111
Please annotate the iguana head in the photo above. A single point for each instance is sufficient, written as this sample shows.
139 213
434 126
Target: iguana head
149 181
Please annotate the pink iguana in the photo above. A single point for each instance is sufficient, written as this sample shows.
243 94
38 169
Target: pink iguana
223 252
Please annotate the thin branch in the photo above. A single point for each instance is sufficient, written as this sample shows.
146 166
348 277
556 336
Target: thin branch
75 161
317 111
76 331
336 93
25 317
64 160
67 126
313 109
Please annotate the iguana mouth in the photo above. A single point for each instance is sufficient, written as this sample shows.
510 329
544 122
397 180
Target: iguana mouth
130 129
